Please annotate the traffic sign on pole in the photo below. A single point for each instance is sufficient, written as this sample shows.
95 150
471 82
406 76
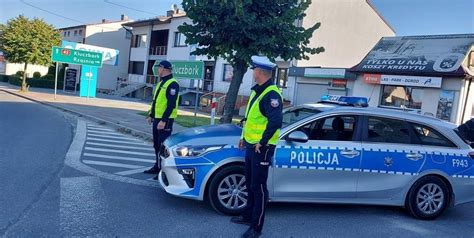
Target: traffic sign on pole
81 57
184 69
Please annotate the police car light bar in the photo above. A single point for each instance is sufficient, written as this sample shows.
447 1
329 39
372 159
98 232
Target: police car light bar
345 100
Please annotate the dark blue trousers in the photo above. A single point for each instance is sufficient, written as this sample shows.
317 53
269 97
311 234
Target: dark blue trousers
159 136
256 174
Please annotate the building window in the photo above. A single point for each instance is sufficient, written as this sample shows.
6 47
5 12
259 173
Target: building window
179 39
75 32
139 41
282 77
136 67
445 105
228 73
402 97
64 33
68 33
80 32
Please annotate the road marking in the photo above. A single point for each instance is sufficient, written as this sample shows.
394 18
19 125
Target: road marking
120 151
120 146
73 160
82 207
121 142
99 129
113 137
119 158
107 133
130 172
110 164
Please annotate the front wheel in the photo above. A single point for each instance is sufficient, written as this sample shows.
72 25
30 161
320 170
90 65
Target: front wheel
428 198
227 190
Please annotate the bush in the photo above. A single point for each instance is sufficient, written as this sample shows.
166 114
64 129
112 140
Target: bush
49 77
19 73
15 80
4 78
36 75
44 83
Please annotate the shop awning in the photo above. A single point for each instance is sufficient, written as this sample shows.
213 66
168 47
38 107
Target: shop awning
439 55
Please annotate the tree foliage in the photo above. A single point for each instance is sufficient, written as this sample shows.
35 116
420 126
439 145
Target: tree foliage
237 29
28 41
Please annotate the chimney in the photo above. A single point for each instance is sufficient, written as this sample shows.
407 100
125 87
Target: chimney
104 20
123 17
169 13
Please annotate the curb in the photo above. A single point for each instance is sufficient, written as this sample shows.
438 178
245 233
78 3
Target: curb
116 125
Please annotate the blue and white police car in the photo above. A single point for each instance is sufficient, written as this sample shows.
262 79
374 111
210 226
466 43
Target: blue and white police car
334 151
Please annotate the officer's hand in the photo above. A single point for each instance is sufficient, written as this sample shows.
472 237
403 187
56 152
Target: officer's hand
149 120
241 145
161 125
257 147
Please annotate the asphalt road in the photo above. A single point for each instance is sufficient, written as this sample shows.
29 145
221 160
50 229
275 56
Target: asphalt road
98 190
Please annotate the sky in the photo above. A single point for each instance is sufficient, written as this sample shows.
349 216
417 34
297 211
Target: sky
407 17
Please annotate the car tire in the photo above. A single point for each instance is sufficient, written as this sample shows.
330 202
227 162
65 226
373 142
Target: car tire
428 198
235 196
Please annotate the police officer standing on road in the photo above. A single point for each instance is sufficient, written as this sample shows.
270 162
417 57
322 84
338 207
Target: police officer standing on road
163 111
263 120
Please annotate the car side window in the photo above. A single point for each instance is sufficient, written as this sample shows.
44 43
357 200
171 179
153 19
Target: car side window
387 130
335 128
428 136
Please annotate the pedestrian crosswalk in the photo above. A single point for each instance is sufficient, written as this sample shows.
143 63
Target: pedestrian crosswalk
110 151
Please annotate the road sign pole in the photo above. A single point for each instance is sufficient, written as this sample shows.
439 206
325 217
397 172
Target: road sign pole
89 83
196 104
56 81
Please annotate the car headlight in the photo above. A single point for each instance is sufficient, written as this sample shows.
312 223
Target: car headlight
192 151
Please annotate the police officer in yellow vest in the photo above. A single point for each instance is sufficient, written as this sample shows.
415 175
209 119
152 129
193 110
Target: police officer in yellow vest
260 134
163 111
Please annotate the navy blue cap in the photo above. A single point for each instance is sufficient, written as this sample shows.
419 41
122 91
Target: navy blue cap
262 62
165 64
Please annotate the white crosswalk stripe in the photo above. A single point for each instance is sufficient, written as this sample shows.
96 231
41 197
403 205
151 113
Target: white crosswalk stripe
112 152
121 146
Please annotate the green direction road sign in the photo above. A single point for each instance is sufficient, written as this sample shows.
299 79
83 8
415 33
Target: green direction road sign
184 69
70 56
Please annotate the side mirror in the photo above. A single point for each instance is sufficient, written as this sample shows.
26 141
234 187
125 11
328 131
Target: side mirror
297 136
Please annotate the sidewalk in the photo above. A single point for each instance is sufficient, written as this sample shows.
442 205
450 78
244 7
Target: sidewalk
121 113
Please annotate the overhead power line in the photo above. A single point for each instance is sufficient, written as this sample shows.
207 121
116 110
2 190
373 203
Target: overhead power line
133 9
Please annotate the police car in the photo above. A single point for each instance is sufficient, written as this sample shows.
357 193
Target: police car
334 151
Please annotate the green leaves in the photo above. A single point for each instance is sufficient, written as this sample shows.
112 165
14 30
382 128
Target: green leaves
28 41
237 29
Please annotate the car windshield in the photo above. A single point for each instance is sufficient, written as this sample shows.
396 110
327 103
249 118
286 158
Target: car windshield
296 114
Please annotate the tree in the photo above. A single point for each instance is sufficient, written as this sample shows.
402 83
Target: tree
28 41
237 29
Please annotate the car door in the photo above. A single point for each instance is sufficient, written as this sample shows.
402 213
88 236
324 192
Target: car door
323 165
391 158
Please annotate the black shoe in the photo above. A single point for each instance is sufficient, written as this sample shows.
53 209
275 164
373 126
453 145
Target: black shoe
251 233
240 220
153 170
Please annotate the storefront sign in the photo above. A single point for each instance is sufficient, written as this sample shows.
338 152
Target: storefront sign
418 54
416 81
339 82
324 73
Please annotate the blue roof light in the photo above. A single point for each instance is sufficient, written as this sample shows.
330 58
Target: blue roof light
345 100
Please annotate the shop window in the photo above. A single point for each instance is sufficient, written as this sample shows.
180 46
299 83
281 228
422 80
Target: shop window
402 97
228 73
282 77
445 105
179 39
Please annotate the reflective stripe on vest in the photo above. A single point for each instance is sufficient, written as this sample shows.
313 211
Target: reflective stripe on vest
256 122
162 101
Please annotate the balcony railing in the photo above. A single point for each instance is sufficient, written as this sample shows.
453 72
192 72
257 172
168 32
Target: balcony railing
158 50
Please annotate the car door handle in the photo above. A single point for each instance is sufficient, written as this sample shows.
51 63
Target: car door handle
414 156
350 153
